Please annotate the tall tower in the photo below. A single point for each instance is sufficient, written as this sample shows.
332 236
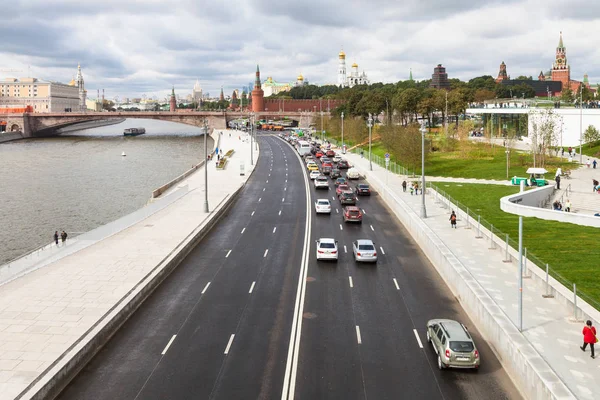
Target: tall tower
342 69
81 88
258 102
410 77
197 92
221 96
561 71
173 101
502 75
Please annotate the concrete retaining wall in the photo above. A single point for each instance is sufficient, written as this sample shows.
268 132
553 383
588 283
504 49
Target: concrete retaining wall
528 370
10 136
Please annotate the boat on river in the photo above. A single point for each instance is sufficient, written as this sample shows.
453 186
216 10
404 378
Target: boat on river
134 131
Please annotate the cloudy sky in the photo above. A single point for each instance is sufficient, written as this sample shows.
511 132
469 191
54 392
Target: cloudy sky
131 47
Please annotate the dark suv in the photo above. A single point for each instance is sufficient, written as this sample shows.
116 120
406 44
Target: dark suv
347 197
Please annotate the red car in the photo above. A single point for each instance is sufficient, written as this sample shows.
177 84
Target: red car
330 153
319 154
327 164
352 214
341 188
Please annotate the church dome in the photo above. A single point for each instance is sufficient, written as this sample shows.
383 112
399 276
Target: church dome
342 54
72 83
355 65
300 77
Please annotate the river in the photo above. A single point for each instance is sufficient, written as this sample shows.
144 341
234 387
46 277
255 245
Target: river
79 181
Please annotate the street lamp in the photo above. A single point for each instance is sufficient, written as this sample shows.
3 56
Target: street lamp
251 141
370 125
206 209
580 124
322 132
507 153
423 132
342 131
446 125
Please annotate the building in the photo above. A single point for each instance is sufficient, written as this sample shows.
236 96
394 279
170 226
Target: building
271 87
439 78
561 71
502 75
355 77
172 101
258 95
197 92
542 88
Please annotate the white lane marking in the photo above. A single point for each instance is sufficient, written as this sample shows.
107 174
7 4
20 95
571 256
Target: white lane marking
358 338
341 229
382 252
279 212
418 338
264 189
228 253
363 210
396 283
259 199
372 228
351 283
168 345
252 287
266 252
205 288
252 214
229 343
283 199
286 181
274 229
285 189
345 250
269 174
332 198
267 181
243 230
337 211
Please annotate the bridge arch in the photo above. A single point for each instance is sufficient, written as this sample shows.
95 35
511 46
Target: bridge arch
15 128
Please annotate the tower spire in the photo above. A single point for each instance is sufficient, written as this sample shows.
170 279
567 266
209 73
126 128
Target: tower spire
257 79
560 42
410 77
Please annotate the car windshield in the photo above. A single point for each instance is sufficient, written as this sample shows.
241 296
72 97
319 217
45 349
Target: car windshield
322 179
363 186
354 213
323 202
366 247
461 347
347 195
327 246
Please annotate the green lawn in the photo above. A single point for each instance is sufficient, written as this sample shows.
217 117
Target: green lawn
572 251
592 151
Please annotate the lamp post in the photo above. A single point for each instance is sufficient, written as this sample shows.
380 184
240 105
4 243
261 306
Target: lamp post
370 125
322 133
206 209
446 125
507 153
580 124
342 131
423 132
251 139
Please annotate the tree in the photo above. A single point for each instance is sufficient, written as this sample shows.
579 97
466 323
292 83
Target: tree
543 135
108 105
481 95
524 78
566 95
591 135
485 82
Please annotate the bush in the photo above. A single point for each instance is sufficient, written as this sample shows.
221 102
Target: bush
229 153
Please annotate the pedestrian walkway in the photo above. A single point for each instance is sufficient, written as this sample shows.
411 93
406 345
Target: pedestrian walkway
50 313
547 322
579 189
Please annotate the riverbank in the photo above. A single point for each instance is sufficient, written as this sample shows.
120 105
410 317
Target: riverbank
10 136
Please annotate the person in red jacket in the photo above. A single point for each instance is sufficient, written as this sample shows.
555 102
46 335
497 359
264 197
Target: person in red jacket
589 337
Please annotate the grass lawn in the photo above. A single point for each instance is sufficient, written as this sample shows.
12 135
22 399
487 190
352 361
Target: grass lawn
572 251
593 151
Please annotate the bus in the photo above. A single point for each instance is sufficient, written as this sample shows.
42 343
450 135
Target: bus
303 147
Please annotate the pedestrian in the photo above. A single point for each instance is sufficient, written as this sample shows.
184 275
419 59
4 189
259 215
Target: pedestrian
453 220
594 163
56 237
589 337
570 149
595 183
412 189
568 206
361 154
587 163
563 152
557 179
63 236
218 157
404 186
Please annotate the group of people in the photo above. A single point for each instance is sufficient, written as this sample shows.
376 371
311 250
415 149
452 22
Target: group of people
63 237
414 187
557 205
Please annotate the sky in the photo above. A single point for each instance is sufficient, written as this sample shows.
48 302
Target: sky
132 48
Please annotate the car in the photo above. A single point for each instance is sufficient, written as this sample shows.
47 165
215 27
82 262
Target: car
322 206
326 170
321 182
352 214
362 189
319 154
314 174
330 153
452 344
341 181
341 188
364 250
336 159
347 197
352 173
335 173
312 167
327 249
325 159
308 157
343 164
309 162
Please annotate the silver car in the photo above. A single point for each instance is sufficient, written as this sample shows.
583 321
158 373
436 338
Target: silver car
364 250
453 344
323 206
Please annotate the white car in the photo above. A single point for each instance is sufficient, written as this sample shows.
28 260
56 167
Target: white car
323 206
321 182
327 249
364 250
352 174
336 158
314 174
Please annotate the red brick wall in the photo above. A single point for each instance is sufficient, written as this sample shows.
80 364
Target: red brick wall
302 105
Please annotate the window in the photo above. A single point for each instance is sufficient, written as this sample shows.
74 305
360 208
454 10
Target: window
462 347
327 246
440 333
443 339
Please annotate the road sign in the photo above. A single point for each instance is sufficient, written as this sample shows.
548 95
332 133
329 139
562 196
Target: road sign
387 156
387 162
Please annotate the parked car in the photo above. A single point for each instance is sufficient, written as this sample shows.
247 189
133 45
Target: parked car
335 173
314 174
364 250
327 249
341 188
322 206
352 214
363 189
343 164
352 173
321 182
347 197
341 181
453 344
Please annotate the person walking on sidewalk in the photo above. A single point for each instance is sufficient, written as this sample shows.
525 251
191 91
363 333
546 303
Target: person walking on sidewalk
557 179
594 163
56 237
453 220
404 186
589 337
63 237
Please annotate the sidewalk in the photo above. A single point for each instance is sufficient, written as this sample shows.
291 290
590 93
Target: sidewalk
547 323
49 314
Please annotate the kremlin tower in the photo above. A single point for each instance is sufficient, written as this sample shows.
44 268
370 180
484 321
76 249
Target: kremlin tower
173 101
502 75
258 102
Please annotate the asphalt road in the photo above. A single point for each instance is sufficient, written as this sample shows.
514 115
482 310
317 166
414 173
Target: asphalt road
207 304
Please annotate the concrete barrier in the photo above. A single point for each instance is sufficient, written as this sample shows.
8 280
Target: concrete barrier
56 377
529 371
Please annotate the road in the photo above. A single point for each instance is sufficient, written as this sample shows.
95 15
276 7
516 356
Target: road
238 293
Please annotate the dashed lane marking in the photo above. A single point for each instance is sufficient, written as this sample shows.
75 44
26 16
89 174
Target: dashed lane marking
252 214
351 283
345 249
396 283
341 229
259 199
274 229
243 231
229 343
372 228
279 212
358 338
418 338
382 252
168 345
228 253
205 288
252 287
266 252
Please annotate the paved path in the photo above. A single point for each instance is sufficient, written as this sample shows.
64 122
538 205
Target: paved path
45 312
547 323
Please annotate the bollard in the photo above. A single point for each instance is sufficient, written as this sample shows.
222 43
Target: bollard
468 223
548 295
525 274
506 255
478 227
492 244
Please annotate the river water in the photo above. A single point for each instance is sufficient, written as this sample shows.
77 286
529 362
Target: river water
79 181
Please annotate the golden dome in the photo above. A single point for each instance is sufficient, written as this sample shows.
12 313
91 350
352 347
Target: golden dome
300 77
342 54
72 83
355 65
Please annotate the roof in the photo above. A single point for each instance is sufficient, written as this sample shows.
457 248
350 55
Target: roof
364 241
454 328
537 171
326 240
352 208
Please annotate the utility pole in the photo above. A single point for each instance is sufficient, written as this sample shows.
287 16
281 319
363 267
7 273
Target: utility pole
446 127
206 209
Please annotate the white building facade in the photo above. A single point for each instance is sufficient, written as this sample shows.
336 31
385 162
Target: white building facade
354 78
197 92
